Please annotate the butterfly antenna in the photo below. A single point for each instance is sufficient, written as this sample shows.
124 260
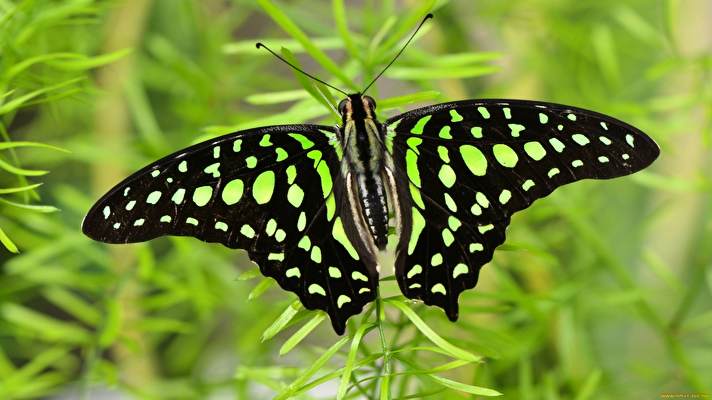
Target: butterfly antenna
260 45
427 17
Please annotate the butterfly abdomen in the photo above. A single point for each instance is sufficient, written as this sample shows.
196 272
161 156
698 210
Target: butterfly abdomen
362 139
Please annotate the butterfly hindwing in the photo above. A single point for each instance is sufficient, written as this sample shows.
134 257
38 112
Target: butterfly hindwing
472 164
266 190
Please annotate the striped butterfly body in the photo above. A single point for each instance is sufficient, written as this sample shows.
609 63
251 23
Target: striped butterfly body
311 203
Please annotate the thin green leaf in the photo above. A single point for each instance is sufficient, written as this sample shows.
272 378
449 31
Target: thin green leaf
588 389
42 326
20 171
430 73
431 335
343 28
463 387
299 335
12 145
398 101
409 22
82 62
73 304
111 326
7 242
276 97
282 321
30 207
294 387
260 288
293 30
20 101
248 46
19 188
308 84
351 359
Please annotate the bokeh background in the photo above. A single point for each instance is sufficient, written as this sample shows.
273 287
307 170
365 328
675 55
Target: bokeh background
602 291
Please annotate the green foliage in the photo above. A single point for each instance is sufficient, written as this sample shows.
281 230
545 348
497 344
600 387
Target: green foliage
603 290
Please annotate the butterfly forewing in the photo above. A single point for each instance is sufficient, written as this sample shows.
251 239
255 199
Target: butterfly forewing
472 164
266 190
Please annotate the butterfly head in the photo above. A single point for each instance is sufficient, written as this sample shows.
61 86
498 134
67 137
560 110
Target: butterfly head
357 106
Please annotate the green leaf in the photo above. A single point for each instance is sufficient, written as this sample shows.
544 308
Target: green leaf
295 386
463 387
29 207
299 335
293 30
20 171
431 335
44 327
282 321
277 97
16 103
250 274
309 85
19 188
82 62
588 389
73 304
7 242
398 101
247 47
343 28
351 359
431 73
111 326
260 288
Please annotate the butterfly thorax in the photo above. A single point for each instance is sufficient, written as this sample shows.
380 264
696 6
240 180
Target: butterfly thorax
363 169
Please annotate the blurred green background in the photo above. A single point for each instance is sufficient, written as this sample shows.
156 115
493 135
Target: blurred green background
602 291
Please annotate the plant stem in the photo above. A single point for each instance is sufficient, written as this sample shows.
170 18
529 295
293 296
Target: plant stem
112 124
386 368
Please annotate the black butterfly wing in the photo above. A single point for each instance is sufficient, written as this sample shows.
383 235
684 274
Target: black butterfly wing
472 164
267 190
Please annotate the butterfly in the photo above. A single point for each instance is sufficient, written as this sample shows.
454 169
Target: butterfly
312 204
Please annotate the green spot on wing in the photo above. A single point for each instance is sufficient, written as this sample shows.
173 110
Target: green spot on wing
295 195
306 143
202 195
445 132
420 125
476 132
263 187
411 163
455 116
264 142
153 197
516 129
281 154
505 155
474 159
213 169
337 231
447 175
534 150
232 192
316 289
483 112
460 269
418 225
557 145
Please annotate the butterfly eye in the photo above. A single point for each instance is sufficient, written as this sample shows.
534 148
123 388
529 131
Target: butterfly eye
342 106
370 101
